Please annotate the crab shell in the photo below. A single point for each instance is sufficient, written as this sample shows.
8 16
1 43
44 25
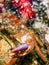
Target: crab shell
26 37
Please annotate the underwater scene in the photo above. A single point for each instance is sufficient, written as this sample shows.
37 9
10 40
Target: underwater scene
24 32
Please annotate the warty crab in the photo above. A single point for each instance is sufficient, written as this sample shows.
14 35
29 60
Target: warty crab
25 36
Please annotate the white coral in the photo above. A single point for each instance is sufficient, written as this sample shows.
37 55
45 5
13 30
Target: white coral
47 37
46 3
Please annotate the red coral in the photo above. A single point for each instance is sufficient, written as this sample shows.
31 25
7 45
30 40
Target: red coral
25 9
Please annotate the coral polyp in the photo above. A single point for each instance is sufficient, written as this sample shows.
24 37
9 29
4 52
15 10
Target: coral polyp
25 8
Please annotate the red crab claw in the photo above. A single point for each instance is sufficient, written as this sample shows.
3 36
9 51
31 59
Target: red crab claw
20 51
23 50
20 48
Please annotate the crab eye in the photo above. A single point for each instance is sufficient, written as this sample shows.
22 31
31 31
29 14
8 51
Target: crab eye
24 38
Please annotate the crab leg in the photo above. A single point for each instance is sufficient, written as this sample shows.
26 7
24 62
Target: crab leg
12 61
37 38
37 48
40 53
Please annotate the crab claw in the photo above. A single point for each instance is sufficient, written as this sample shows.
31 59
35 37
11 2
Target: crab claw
20 48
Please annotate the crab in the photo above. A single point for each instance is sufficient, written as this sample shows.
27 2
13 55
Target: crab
25 36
